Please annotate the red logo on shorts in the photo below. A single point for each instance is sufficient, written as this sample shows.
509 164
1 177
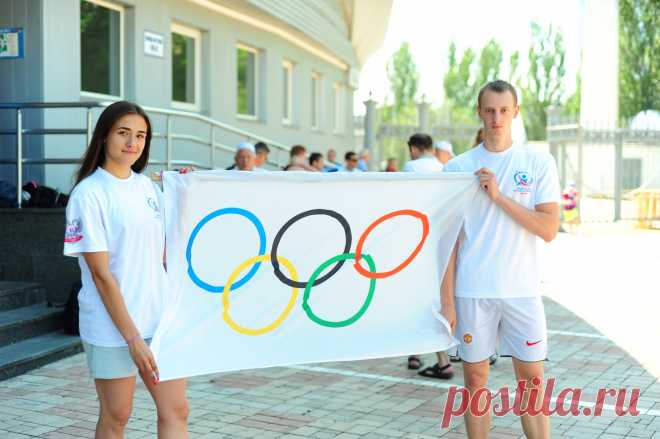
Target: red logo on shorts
532 343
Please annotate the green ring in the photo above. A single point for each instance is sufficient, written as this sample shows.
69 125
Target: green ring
365 305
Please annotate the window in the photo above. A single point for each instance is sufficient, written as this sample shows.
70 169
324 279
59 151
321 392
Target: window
339 113
247 59
287 92
186 44
101 60
316 101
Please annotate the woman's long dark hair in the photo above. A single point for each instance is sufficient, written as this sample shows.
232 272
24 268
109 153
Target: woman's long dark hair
95 153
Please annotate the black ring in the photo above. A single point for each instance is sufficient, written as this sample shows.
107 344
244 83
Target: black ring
273 253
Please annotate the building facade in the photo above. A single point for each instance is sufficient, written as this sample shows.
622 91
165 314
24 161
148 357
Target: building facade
280 70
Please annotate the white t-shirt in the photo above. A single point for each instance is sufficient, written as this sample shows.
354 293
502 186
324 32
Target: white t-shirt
125 219
497 257
426 163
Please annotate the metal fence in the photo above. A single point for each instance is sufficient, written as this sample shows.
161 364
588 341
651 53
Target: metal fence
171 128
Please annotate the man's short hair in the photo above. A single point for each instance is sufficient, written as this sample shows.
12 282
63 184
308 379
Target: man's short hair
350 155
261 148
297 150
498 86
421 141
315 156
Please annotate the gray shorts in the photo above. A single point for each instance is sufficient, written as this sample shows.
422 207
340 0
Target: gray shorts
108 363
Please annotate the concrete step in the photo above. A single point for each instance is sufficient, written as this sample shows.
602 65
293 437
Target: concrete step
25 355
18 294
29 321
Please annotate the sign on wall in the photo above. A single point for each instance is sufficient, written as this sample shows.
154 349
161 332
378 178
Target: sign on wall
11 43
154 44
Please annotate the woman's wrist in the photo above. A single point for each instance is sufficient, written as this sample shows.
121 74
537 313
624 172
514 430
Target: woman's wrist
133 339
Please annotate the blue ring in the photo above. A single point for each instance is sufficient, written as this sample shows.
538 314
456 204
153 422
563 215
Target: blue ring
226 211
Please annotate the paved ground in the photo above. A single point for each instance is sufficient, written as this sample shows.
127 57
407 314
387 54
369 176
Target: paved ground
380 398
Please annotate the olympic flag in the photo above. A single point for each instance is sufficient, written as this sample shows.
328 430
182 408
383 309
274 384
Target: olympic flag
272 268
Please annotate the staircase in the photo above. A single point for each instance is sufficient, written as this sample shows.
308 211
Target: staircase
30 331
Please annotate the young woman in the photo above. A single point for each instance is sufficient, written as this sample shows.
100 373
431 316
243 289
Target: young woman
115 228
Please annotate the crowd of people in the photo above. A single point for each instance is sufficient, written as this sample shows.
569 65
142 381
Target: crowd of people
424 156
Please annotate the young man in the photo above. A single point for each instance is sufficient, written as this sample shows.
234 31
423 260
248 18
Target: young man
351 161
421 152
493 291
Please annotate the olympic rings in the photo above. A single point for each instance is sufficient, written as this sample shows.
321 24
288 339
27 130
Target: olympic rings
278 238
225 297
227 211
358 250
314 280
361 311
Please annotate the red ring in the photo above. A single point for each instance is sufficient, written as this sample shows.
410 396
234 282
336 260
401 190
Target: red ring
383 274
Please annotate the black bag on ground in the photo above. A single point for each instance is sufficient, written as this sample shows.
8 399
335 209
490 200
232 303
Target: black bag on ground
71 310
40 196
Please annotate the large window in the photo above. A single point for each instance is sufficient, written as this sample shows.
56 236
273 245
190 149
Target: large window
287 92
339 120
101 26
247 69
316 101
186 43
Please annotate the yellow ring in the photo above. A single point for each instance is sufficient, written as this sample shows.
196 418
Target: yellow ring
225 296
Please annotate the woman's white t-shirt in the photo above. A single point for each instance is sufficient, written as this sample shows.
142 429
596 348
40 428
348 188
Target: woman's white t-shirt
124 218
497 257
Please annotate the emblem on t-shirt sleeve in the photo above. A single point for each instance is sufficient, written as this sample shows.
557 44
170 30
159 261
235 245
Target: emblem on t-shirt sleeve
523 181
73 232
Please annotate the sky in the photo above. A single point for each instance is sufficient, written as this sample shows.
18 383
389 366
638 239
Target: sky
430 25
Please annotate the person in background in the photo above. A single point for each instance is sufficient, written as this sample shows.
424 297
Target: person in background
569 207
298 160
420 146
363 161
479 138
444 151
423 160
244 158
331 164
391 165
316 161
351 160
261 151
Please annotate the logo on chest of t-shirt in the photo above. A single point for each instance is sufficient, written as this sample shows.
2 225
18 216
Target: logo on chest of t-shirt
73 232
523 182
154 206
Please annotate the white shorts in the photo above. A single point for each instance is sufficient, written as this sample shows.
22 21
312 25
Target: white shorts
518 324
110 362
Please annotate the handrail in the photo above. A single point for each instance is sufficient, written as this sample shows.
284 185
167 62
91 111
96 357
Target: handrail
212 143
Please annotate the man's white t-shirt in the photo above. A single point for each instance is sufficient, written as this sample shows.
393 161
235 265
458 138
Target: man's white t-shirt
123 217
426 163
497 257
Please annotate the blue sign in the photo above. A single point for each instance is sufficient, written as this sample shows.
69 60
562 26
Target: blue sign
12 45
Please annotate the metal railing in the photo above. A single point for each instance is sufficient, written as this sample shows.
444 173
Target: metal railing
169 136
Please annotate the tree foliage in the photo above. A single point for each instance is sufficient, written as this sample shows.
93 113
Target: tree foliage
639 56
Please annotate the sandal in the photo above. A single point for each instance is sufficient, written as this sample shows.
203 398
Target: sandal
414 362
455 358
436 371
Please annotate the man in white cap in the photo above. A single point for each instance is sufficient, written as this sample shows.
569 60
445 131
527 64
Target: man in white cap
444 151
244 158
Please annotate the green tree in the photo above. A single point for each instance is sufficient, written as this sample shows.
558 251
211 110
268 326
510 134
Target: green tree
572 104
543 86
639 56
404 78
